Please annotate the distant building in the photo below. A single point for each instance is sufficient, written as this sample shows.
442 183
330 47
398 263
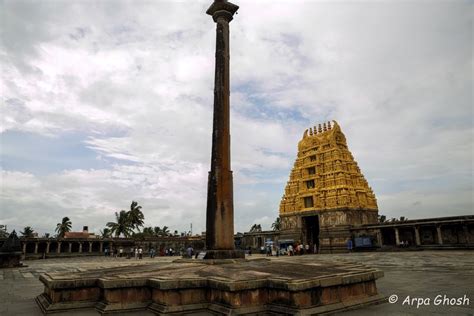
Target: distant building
84 234
326 194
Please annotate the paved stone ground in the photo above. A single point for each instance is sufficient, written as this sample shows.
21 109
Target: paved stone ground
423 274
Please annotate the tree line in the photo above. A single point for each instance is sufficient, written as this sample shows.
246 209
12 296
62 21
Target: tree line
126 224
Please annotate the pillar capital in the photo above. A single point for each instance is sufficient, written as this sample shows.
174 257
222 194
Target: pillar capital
222 9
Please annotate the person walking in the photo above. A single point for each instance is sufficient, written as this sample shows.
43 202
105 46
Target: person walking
136 253
349 245
189 252
140 253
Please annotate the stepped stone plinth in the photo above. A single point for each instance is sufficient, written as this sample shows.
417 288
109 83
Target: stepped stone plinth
304 285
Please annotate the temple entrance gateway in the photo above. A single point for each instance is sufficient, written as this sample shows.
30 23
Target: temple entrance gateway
326 181
311 232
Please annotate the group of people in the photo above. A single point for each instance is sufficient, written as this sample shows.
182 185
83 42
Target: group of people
299 249
135 252
404 244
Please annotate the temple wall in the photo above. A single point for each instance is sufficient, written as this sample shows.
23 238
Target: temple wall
38 248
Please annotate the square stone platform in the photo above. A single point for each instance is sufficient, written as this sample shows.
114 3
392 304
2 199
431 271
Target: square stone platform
298 285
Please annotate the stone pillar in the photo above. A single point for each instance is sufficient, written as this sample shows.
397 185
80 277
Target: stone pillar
90 246
101 247
220 202
440 236
36 248
466 234
47 246
24 248
379 237
80 247
70 247
397 237
59 247
417 235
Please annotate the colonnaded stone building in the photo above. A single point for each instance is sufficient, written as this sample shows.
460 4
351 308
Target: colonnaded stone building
326 194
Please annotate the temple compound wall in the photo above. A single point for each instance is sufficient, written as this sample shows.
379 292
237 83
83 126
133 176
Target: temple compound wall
38 248
427 233
326 193
453 232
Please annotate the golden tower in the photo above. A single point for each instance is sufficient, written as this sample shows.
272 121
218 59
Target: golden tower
326 193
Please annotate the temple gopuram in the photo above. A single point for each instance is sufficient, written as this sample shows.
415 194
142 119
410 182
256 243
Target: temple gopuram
326 194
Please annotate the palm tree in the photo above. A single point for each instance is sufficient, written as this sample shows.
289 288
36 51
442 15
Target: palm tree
105 233
148 231
121 226
157 230
63 227
135 216
165 231
256 228
27 231
277 224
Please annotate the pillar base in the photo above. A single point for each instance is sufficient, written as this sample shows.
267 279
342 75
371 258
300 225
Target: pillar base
224 254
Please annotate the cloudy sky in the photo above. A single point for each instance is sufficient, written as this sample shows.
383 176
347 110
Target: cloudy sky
105 102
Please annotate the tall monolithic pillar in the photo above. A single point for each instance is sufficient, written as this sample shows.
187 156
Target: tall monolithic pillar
220 204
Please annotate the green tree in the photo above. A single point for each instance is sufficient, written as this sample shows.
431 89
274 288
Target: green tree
135 216
165 231
148 231
63 227
105 233
277 224
3 231
157 230
27 231
256 228
121 226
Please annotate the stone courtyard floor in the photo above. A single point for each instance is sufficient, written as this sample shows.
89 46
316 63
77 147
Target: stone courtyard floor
425 277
